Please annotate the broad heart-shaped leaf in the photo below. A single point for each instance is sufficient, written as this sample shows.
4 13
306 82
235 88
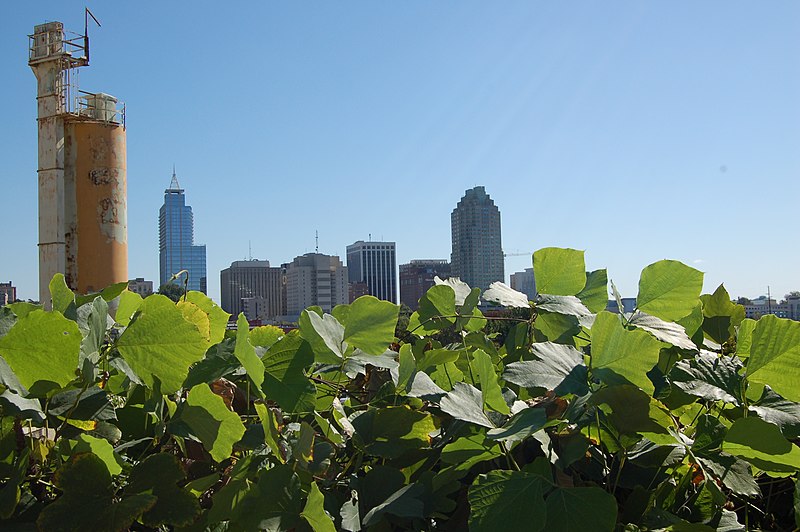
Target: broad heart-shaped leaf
107 294
246 353
595 294
370 324
159 474
734 473
507 500
568 305
129 303
763 445
60 293
161 344
559 271
210 420
666 331
405 502
439 300
391 431
217 317
584 509
266 335
773 408
744 338
519 427
669 289
465 402
618 352
709 377
285 381
559 368
775 355
470 448
100 448
42 347
720 315
506 296
484 371
631 411
87 501
325 335
86 405
314 512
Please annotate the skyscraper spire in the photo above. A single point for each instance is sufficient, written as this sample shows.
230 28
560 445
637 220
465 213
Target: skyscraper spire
173 185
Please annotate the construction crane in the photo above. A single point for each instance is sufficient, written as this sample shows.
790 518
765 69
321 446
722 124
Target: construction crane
506 255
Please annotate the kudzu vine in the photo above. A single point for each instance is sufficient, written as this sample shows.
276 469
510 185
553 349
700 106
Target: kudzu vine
119 412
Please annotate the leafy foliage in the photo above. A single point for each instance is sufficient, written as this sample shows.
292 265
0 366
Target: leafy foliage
551 415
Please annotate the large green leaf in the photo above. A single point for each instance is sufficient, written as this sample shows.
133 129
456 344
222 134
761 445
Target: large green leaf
744 338
159 474
665 331
631 411
314 512
370 324
87 502
404 502
501 294
60 293
465 402
102 449
584 509
559 368
325 335
285 381
42 347
161 344
217 317
720 315
775 355
210 420
437 307
775 409
595 294
484 371
246 353
621 353
507 500
391 431
569 305
669 289
763 445
709 377
519 427
470 448
129 303
559 271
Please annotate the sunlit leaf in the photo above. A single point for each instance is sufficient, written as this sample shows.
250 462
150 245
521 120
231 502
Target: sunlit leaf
763 445
370 324
559 271
210 420
775 355
246 354
669 289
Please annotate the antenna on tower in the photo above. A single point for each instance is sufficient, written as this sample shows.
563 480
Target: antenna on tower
86 16
316 241
249 250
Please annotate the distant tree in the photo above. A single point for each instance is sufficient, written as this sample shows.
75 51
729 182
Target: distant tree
744 301
793 293
172 291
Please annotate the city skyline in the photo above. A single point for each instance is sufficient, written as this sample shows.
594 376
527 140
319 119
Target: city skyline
592 126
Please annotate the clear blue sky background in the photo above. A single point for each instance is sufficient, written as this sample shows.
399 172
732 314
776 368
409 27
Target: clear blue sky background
634 130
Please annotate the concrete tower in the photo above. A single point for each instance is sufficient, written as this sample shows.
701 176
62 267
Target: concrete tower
477 255
82 172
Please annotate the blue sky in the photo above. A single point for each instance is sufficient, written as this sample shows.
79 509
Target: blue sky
634 130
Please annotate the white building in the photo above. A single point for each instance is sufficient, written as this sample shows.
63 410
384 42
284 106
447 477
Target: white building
315 279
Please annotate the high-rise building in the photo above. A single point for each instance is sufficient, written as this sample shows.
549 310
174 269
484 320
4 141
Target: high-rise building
524 282
177 250
255 281
477 255
315 279
416 278
374 263
8 293
141 286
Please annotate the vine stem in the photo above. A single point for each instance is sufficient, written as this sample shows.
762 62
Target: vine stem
456 316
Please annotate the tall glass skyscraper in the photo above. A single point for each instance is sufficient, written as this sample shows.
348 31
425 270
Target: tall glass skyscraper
477 256
176 240
374 264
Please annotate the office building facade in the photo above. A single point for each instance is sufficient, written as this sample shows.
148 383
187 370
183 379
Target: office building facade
315 279
141 286
8 293
524 282
477 250
177 250
374 263
255 281
417 277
